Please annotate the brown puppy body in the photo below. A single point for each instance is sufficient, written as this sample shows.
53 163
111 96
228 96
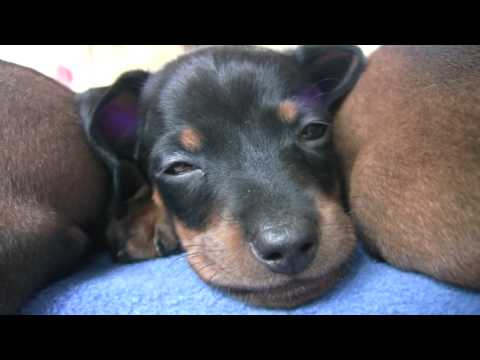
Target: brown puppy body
51 188
409 137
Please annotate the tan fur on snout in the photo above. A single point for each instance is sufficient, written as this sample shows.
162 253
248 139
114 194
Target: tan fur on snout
208 248
409 140
221 255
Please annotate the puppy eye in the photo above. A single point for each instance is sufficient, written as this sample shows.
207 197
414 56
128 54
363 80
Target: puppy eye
314 132
179 168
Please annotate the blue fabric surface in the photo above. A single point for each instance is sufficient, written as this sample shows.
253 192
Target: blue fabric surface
169 286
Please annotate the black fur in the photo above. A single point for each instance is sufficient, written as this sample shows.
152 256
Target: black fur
251 164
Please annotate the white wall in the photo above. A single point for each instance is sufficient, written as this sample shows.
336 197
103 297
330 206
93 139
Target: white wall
98 65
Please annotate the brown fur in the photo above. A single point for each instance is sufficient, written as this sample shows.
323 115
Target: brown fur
145 232
409 139
287 111
221 256
51 189
191 139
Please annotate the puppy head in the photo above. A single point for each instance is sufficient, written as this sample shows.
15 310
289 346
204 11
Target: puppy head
235 142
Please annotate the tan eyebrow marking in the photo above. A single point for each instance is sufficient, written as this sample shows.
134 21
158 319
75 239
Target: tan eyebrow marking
288 111
191 139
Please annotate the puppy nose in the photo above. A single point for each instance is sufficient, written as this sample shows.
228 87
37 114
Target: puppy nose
286 252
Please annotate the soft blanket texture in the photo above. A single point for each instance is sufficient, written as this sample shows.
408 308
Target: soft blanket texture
169 286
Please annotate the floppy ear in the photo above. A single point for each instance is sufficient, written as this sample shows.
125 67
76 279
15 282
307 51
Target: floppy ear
110 119
332 70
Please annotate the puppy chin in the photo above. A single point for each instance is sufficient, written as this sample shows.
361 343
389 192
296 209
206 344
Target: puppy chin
295 294
254 284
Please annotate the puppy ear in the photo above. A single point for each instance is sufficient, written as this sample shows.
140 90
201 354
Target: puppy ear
110 118
332 70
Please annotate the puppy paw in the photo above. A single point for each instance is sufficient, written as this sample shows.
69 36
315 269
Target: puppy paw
143 233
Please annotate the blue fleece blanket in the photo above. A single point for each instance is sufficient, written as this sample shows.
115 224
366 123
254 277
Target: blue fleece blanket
169 286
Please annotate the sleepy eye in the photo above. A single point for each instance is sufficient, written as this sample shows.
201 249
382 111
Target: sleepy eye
314 131
179 168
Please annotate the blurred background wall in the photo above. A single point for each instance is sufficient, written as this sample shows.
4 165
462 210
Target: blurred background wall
83 66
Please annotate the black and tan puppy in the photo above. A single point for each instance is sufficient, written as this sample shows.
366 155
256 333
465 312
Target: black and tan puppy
409 139
235 146
52 188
